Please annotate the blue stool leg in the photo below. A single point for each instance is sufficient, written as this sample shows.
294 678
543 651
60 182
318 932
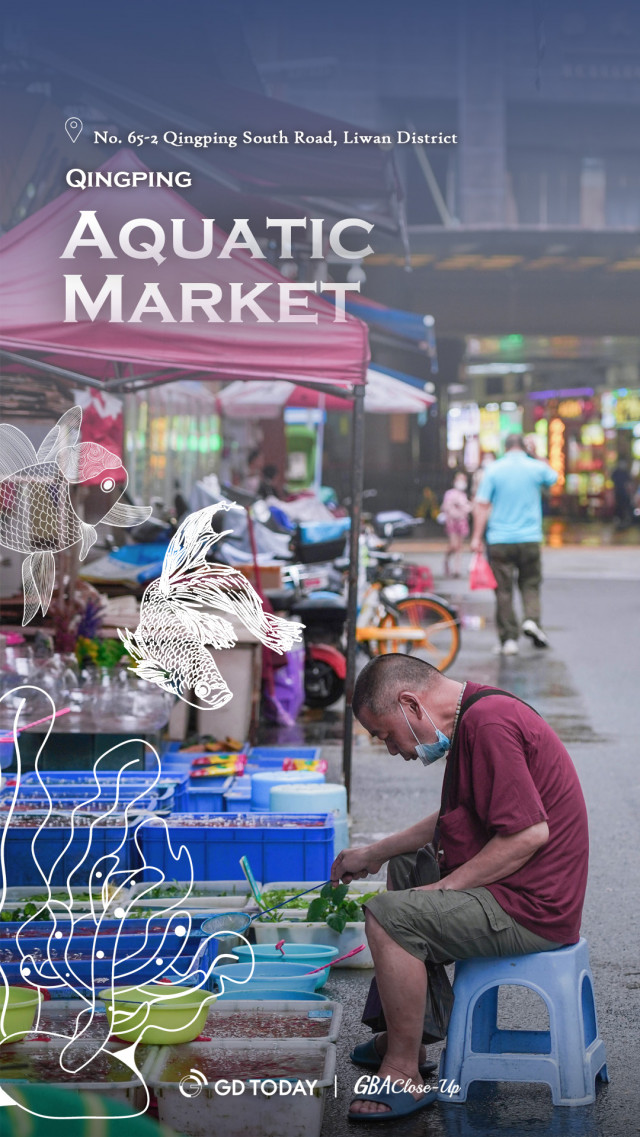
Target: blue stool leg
580 1056
472 1026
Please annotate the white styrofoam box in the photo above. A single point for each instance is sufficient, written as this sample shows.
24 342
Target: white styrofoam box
330 1012
356 888
19 892
299 931
178 719
250 1113
241 668
232 894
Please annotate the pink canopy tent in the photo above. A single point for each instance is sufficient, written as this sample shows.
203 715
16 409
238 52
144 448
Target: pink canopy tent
32 300
127 356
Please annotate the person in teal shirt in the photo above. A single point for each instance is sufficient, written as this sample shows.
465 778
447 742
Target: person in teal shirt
508 516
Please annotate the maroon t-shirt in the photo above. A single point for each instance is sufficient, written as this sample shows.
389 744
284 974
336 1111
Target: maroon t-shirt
513 772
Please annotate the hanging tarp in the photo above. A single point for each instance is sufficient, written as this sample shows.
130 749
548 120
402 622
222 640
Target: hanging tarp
411 326
384 394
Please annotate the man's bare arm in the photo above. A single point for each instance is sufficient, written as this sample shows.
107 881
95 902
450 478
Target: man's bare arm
481 511
499 858
356 864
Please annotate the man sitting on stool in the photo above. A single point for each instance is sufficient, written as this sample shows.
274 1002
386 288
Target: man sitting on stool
514 839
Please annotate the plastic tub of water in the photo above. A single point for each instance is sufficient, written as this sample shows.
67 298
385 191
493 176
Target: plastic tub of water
254 993
291 975
313 955
270 1071
98 1069
175 1014
18 1006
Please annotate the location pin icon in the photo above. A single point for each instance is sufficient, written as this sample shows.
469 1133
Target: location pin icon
73 127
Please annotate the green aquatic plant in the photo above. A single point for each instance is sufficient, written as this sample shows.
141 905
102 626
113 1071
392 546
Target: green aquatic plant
332 906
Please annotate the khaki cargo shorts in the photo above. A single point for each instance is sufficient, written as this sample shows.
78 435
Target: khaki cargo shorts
446 925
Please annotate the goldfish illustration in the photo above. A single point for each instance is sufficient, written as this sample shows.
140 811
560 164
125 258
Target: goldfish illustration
36 513
170 644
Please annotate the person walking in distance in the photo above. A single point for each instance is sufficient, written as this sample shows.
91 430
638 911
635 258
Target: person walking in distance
456 508
508 515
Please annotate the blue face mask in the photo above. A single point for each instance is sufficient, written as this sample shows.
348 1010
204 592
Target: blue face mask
429 752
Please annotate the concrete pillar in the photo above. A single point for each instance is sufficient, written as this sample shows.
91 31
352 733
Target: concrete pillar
482 130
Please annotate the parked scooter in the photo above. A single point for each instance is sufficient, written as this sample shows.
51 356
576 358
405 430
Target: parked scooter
323 613
395 523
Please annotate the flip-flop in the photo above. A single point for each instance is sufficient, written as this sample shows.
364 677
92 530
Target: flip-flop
400 1104
365 1054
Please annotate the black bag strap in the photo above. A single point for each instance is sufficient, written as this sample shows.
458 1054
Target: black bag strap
452 760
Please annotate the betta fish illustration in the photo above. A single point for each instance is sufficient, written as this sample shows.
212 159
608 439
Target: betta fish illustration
177 626
36 513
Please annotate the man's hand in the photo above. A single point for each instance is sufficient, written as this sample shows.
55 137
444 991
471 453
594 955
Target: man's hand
477 545
355 864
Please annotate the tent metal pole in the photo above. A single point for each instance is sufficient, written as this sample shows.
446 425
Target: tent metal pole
51 369
357 485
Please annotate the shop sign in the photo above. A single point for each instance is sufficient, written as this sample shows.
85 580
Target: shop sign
627 409
557 453
571 408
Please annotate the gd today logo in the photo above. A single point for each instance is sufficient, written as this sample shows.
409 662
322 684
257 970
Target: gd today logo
193 1084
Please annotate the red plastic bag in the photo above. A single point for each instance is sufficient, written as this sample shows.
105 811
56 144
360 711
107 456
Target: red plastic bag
480 573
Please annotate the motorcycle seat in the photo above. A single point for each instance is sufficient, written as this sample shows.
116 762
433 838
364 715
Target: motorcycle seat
281 599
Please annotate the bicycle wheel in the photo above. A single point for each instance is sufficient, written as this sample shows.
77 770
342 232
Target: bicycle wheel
441 642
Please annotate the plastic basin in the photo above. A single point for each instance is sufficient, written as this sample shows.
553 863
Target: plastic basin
256 992
312 955
19 1008
175 1014
277 975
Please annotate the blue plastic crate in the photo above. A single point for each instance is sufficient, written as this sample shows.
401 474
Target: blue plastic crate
91 973
132 939
238 798
279 846
32 797
272 757
137 952
206 795
50 843
73 783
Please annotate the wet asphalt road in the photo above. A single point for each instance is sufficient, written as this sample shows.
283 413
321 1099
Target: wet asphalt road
587 687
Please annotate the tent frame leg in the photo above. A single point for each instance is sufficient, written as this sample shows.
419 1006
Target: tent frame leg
357 485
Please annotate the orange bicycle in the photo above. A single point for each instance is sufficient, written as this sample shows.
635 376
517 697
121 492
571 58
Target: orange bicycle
394 619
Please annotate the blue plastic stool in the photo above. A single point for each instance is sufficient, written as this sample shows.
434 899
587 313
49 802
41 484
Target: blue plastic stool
569 1056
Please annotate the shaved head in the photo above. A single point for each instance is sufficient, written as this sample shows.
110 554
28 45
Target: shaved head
381 681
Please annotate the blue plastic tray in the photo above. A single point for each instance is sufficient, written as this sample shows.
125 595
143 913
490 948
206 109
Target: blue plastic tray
272 757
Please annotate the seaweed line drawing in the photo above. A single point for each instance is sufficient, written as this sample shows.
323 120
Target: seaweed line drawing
170 643
37 516
113 898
